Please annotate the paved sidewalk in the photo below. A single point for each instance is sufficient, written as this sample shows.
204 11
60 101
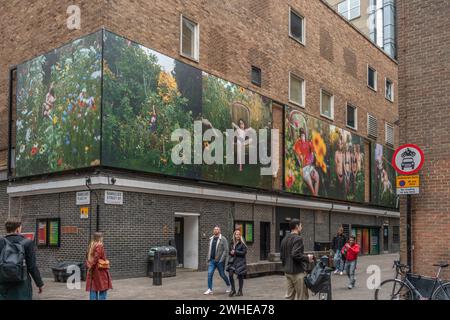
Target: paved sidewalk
190 285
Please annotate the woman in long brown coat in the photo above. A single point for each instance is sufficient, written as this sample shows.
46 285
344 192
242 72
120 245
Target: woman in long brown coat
98 280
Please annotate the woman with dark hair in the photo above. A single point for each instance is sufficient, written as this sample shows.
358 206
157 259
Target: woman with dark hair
237 263
98 280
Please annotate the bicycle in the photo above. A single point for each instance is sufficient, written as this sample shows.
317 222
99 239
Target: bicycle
404 289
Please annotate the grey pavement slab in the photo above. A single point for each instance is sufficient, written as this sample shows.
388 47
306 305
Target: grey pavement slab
190 285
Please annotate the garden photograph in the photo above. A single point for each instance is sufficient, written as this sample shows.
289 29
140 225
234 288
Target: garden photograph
58 109
383 177
322 160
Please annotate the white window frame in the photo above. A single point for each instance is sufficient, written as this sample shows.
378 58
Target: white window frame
386 125
392 89
291 74
356 116
303 41
332 104
349 9
196 56
375 80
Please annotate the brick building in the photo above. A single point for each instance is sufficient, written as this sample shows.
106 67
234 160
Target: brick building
303 57
424 117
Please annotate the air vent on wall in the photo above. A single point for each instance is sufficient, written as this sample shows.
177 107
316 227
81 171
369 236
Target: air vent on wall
372 126
389 134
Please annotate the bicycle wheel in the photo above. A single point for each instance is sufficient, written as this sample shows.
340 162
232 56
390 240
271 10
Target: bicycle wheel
442 292
393 289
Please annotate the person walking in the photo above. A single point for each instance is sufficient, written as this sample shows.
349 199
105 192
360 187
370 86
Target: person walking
98 280
18 264
237 263
295 262
351 251
217 256
338 243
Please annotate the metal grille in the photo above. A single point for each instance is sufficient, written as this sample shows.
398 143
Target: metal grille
389 134
346 230
372 126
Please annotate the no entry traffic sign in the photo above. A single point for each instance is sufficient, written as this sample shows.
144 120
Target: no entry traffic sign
408 159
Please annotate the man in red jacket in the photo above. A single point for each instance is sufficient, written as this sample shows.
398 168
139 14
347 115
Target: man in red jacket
351 251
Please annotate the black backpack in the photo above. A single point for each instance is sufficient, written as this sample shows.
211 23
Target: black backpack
12 262
318 277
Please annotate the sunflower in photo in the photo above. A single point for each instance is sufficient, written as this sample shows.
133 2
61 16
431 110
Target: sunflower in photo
167 86
320 150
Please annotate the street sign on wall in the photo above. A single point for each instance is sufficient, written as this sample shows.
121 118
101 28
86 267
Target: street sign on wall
408 184
408 159
83 197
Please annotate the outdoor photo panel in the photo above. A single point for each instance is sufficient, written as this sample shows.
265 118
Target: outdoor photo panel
147 95
322 160
229 106
58 109
383 187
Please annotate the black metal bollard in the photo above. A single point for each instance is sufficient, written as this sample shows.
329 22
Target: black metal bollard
157 273
157 278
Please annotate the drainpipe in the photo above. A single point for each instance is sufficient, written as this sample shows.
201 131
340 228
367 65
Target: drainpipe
329 222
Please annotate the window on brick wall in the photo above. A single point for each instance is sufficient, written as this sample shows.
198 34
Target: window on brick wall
326 104
296 26
389 90
190 39
372 126
352 117
372 78
350 9
256 76
296 90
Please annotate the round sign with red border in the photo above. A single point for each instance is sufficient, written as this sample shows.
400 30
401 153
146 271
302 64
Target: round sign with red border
408 159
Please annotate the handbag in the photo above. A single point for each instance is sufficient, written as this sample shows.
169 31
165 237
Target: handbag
103 264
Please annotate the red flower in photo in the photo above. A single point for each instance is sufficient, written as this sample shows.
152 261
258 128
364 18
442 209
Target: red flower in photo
60 162
34 150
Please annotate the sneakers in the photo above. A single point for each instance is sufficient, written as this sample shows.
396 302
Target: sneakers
341 273
209 291
350 286
228 290
336 271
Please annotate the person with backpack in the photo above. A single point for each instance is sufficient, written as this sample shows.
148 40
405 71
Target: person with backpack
295 262
350 251
338 243
237 263
17 264
98 279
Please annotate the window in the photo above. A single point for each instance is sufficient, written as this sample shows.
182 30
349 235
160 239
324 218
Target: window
350 9
256 76
352 117
372 126
389 90
372 78
189 39
326 104
297 26
389 134
297 90
396 234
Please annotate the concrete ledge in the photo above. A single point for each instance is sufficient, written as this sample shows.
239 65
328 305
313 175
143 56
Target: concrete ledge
264 268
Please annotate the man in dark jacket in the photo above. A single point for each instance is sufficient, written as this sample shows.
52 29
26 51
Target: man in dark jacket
21 290
295 262
338 243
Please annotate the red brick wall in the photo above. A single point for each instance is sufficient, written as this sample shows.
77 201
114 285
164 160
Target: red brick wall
424 74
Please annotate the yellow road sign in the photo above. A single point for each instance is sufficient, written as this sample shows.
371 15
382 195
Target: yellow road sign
408 181
84 212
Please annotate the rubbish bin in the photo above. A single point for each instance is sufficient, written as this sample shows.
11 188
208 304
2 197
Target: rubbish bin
165 261
325 290
61 273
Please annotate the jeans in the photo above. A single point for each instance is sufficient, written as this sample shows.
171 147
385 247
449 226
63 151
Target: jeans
338 263
211 268
350 267
98 295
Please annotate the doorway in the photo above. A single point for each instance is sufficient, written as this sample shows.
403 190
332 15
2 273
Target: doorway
386 238
264 240
179 240
187 239
284 230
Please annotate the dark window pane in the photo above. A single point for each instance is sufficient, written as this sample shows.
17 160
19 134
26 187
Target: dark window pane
256 76
371 79
296 26
351 116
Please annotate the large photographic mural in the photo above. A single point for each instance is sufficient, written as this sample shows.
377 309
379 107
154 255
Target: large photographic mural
383 187
148 95
58 109
322 160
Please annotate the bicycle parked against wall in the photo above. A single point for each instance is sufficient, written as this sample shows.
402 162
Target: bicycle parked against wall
405 288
